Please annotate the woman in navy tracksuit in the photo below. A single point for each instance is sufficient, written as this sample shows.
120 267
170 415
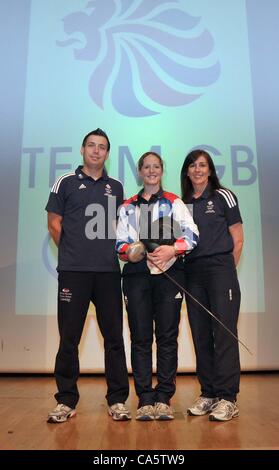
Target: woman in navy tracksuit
211 277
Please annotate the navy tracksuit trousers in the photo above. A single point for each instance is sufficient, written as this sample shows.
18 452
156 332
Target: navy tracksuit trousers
75 291
153 303
213 281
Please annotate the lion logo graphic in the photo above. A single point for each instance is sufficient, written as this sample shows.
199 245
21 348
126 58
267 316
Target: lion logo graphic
146 55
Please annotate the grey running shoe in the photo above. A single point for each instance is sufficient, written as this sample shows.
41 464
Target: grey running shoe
163 412
145 413
119 412
201 406
60 414
224 410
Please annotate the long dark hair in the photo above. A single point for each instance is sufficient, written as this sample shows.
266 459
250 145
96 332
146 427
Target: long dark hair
186 184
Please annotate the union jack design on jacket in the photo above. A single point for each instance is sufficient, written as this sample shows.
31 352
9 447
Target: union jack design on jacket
165 205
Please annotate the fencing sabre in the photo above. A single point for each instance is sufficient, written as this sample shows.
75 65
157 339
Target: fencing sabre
137 252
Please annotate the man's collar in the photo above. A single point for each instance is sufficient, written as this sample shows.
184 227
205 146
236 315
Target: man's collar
81 175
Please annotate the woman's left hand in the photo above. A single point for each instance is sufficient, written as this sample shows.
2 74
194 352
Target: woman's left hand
162 254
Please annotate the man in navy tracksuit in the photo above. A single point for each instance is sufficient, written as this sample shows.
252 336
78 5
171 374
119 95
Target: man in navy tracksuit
81 210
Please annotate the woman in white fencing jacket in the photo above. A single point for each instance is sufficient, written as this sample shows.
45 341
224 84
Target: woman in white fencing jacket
150 297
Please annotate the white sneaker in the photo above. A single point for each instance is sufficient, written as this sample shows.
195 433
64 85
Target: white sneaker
119 412
224 410
163 411
145 413
60 414
201 406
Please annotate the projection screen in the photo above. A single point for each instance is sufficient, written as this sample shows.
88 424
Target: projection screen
163 75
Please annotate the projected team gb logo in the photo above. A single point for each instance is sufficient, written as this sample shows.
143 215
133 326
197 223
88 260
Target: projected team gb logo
146 55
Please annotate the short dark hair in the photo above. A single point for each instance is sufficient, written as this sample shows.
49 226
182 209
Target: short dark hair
96 132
